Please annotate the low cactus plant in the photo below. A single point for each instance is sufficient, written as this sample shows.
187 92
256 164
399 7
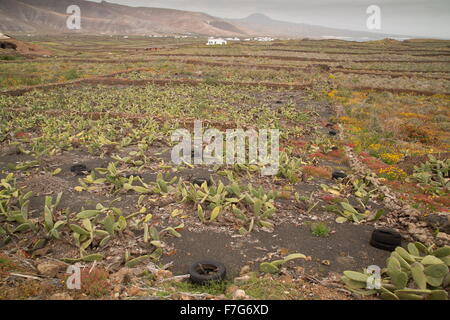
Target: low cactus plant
419 273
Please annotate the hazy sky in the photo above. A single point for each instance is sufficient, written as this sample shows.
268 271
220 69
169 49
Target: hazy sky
428 18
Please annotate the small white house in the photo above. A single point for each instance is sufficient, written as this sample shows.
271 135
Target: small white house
264 39
214 41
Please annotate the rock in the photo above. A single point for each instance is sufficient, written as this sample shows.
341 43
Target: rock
60 296
135 291
163 274
121 276
231 289
439 221
241 280
245 270
124 275
51 268
443 236
180 296
239 295
422 238
186 297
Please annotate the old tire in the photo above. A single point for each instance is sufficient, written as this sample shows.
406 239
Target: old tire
385 239
339 175
200 181
79 169
332 132
205 271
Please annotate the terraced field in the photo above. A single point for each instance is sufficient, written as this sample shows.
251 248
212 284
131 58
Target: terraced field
364 140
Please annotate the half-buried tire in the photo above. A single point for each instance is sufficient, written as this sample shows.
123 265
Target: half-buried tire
205 271
385 239
79 169
200 181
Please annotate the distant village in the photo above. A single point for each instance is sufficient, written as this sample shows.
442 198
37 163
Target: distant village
212 40
222 41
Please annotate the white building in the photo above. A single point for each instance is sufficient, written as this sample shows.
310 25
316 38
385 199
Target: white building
3 36
214 41
264 39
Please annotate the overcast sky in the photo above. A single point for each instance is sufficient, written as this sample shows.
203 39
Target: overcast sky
427 18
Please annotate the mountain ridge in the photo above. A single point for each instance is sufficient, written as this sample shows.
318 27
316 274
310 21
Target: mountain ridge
274 27
49 16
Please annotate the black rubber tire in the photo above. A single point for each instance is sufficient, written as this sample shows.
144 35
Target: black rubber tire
332 132
387 236
339 175
200 181
386 239
78 169
383 246
198 277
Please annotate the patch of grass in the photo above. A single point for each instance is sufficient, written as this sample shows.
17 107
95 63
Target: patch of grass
213 287
272 289
71 74
9 58
320 229
95 282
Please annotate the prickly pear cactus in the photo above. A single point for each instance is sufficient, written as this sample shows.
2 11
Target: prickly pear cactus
419 273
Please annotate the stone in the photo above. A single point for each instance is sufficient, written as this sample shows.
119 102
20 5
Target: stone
443 236
121 276
125 275
242 280
51 268
439 221
163 274
245 270
135 291
231 290
422 238
239 295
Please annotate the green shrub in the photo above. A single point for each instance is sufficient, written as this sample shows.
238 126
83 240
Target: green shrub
71 74
320 229
9 58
